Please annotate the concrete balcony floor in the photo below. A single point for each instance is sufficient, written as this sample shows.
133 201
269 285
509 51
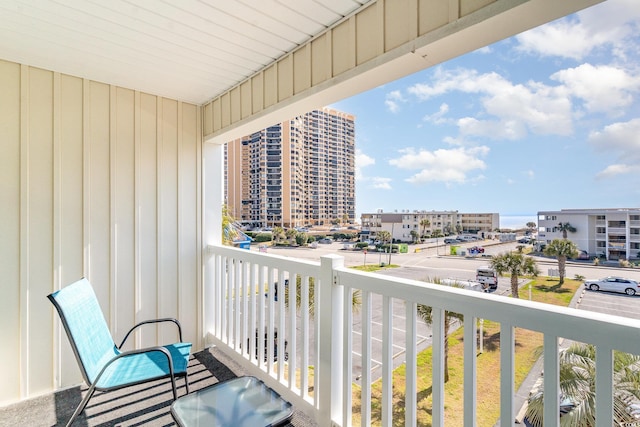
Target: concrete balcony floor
143 405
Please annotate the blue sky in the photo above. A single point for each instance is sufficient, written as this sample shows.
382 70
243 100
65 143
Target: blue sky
546 120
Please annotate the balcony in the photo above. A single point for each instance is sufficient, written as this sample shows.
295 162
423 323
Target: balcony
323 385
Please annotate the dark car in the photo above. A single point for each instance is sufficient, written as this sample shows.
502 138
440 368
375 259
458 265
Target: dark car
583 255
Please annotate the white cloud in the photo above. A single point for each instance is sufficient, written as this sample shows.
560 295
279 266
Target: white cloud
603 88
529 174
623 137
393 101
484 50
381 183
438 117
449 166
609 24
362 161
515 109
614 170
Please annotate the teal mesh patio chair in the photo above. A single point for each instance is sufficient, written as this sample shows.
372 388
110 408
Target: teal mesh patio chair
103 365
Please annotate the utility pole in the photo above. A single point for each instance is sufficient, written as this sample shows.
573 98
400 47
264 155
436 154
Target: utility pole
391 244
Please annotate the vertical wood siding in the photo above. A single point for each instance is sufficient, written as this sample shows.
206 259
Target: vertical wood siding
96 181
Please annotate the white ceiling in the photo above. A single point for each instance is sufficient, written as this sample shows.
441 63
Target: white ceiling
190 50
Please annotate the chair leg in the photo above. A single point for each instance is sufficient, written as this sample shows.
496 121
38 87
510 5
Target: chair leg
186 381
82 405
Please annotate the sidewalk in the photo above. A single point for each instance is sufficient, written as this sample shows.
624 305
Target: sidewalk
522 395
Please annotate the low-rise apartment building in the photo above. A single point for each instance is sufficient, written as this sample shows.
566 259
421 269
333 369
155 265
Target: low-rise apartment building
614 233
424 223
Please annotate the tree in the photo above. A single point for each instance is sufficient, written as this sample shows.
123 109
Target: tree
229 232
577 387
291 234
415 236
425 313
277 233
424 223
565 227
561 249
356 296
516 264
384 236
531 225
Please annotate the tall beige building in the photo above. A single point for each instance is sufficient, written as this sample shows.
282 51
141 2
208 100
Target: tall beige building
296 173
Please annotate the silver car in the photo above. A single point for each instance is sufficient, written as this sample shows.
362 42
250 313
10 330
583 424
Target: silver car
613 284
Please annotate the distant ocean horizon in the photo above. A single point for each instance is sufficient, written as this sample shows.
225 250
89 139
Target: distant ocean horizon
516 221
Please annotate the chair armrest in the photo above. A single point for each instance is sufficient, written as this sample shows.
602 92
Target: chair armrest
166 319
138 351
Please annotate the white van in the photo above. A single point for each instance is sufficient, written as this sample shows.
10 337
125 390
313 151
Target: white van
487 277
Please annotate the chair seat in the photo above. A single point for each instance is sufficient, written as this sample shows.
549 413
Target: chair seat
140 367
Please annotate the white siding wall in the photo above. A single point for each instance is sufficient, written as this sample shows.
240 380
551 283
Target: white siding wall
96 181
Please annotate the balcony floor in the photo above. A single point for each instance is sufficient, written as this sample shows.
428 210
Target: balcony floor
147 404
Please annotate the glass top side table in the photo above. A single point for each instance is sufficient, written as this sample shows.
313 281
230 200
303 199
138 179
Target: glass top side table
242 401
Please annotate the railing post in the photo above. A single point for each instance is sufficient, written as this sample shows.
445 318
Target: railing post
329 315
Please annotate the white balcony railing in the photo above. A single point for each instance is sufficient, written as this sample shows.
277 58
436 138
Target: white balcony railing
240 299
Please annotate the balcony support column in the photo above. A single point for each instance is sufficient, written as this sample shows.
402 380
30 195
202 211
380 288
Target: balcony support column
212 201
330 317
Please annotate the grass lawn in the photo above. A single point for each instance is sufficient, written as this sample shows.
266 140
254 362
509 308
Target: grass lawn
373 267
528 343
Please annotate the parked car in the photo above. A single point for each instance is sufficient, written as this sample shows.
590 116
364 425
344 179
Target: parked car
613 284
583 255
450 241
325 241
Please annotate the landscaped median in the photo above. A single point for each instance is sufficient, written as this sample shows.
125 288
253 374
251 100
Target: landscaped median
528 345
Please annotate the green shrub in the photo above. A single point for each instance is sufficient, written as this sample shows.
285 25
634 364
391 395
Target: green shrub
262 237
302 239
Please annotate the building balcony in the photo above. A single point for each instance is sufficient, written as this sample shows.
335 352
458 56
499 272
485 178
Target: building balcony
617 231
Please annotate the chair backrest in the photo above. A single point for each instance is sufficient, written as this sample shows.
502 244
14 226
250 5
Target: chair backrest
86 327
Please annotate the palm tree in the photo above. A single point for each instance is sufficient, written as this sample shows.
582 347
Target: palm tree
277 233
577 387
291 234
384 236
561 249
565 227
531 225
424 223
516 264
425 313
356 296
415 236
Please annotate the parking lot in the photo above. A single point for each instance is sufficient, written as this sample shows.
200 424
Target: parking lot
609 303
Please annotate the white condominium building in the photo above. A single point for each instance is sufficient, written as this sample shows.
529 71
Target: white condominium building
401 224
614 233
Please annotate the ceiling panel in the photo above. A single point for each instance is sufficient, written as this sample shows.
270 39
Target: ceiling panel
190 50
